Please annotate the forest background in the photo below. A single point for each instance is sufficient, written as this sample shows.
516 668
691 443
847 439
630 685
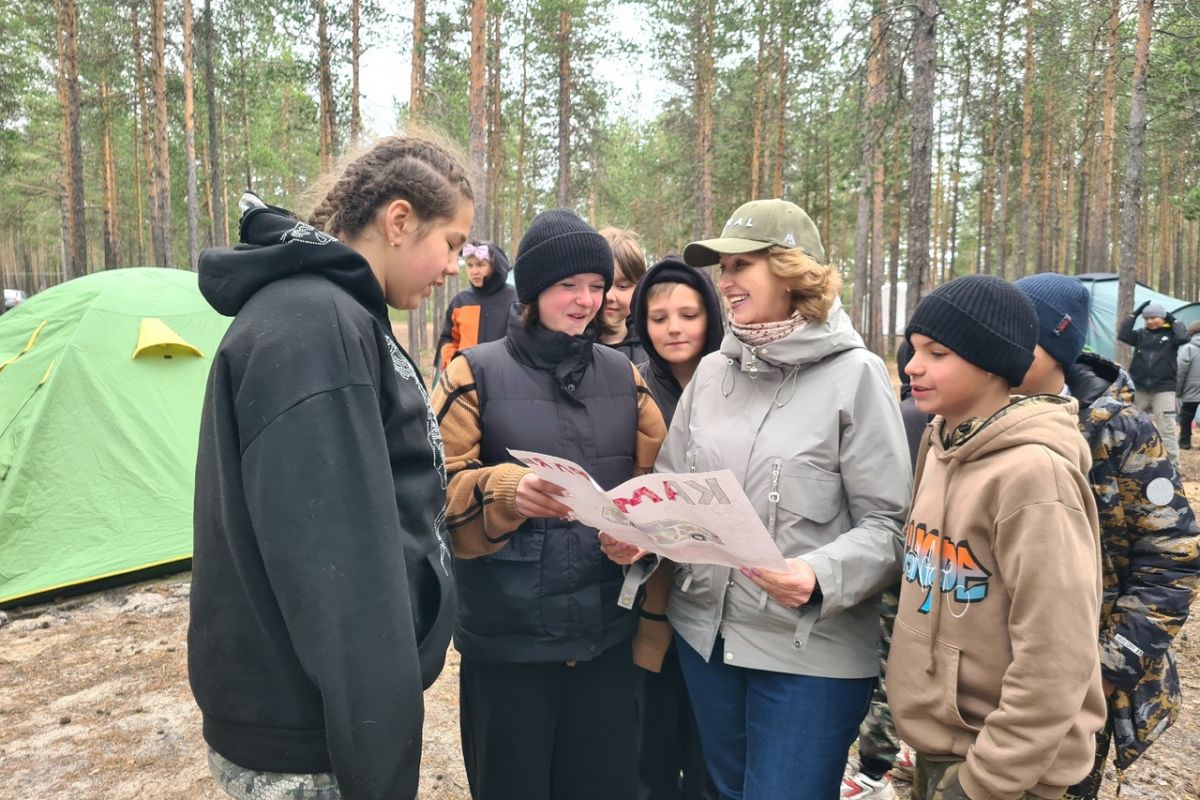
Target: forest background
927 139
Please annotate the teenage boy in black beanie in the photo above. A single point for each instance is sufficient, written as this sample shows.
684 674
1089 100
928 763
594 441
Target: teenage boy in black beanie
994 672
1148 532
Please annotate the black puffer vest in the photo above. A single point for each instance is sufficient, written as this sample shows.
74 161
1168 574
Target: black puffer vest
549 594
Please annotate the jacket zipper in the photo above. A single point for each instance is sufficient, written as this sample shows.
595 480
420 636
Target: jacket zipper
687 568
773 497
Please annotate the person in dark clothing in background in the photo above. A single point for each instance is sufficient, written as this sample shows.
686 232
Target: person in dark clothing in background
1153 367
677 316
322 594
479 313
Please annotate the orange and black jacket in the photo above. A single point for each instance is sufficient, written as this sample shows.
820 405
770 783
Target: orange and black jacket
476 316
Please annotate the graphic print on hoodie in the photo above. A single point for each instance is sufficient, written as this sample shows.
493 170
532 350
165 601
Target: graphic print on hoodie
322 600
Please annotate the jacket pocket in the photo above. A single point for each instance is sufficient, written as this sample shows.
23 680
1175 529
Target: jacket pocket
810 493
525 544
927 701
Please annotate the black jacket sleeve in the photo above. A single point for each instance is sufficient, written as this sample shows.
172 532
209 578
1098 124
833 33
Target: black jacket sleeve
319 492
1125 332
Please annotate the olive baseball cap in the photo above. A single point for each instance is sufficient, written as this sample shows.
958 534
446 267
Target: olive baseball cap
758 225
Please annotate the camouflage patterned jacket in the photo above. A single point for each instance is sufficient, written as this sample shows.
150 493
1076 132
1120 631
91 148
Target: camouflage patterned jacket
1150 554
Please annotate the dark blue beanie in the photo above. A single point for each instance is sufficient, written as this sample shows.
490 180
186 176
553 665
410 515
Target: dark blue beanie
1062 306
558 245
983 319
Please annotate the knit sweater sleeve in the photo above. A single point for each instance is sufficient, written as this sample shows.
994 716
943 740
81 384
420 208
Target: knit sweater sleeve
481 510
651 428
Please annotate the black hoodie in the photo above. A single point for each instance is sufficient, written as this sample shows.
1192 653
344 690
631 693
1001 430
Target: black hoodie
655 371
322 600
480 315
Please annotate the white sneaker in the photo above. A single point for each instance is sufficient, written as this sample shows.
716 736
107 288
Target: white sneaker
905 764
859 787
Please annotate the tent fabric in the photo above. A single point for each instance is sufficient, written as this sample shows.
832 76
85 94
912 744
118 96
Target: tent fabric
1102 320
97 448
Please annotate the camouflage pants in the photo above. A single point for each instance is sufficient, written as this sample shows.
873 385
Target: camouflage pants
248 784
878 743
938 780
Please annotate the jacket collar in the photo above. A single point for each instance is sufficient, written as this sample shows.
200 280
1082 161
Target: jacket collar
565 357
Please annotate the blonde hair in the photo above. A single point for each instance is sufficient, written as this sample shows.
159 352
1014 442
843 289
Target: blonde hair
813 286
627 250
665 288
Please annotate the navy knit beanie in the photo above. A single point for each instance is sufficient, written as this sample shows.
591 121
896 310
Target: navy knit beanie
558 245
983 319
1062 308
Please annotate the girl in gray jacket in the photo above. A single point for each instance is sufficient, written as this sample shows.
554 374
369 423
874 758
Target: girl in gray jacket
780 665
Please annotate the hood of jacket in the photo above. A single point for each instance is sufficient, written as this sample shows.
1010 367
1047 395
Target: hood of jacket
500 269
275 245
810 344
674 270
1036 420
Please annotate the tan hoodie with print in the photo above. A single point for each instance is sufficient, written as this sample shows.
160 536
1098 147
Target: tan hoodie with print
994 656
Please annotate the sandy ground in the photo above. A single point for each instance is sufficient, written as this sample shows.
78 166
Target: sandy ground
94 703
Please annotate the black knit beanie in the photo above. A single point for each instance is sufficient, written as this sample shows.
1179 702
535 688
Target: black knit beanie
983 319
558 245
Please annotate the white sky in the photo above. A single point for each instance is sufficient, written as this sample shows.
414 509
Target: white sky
385 75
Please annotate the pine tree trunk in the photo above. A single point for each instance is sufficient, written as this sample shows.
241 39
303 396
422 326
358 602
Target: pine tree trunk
518 226
1097 253
325 84
112 236
147 158
987 199
355 90
478 114
1022 254
1131 189
860 295
781 106
921 150
760 80
416 102
564 109
703 104
1002 223
1043 263
960 127
877 89
189 140
894 276
244 87
164 252
216 184
75 243
494 123
139 187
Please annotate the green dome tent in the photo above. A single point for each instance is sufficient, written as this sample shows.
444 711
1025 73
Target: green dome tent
101 383
1102 320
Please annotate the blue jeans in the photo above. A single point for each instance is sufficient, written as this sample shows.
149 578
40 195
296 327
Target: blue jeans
772 735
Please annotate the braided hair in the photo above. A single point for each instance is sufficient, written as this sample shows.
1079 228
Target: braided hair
395 168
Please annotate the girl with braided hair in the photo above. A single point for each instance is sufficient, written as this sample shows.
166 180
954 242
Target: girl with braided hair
322 599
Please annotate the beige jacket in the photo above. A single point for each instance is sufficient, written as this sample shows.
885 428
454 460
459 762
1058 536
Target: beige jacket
994 656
